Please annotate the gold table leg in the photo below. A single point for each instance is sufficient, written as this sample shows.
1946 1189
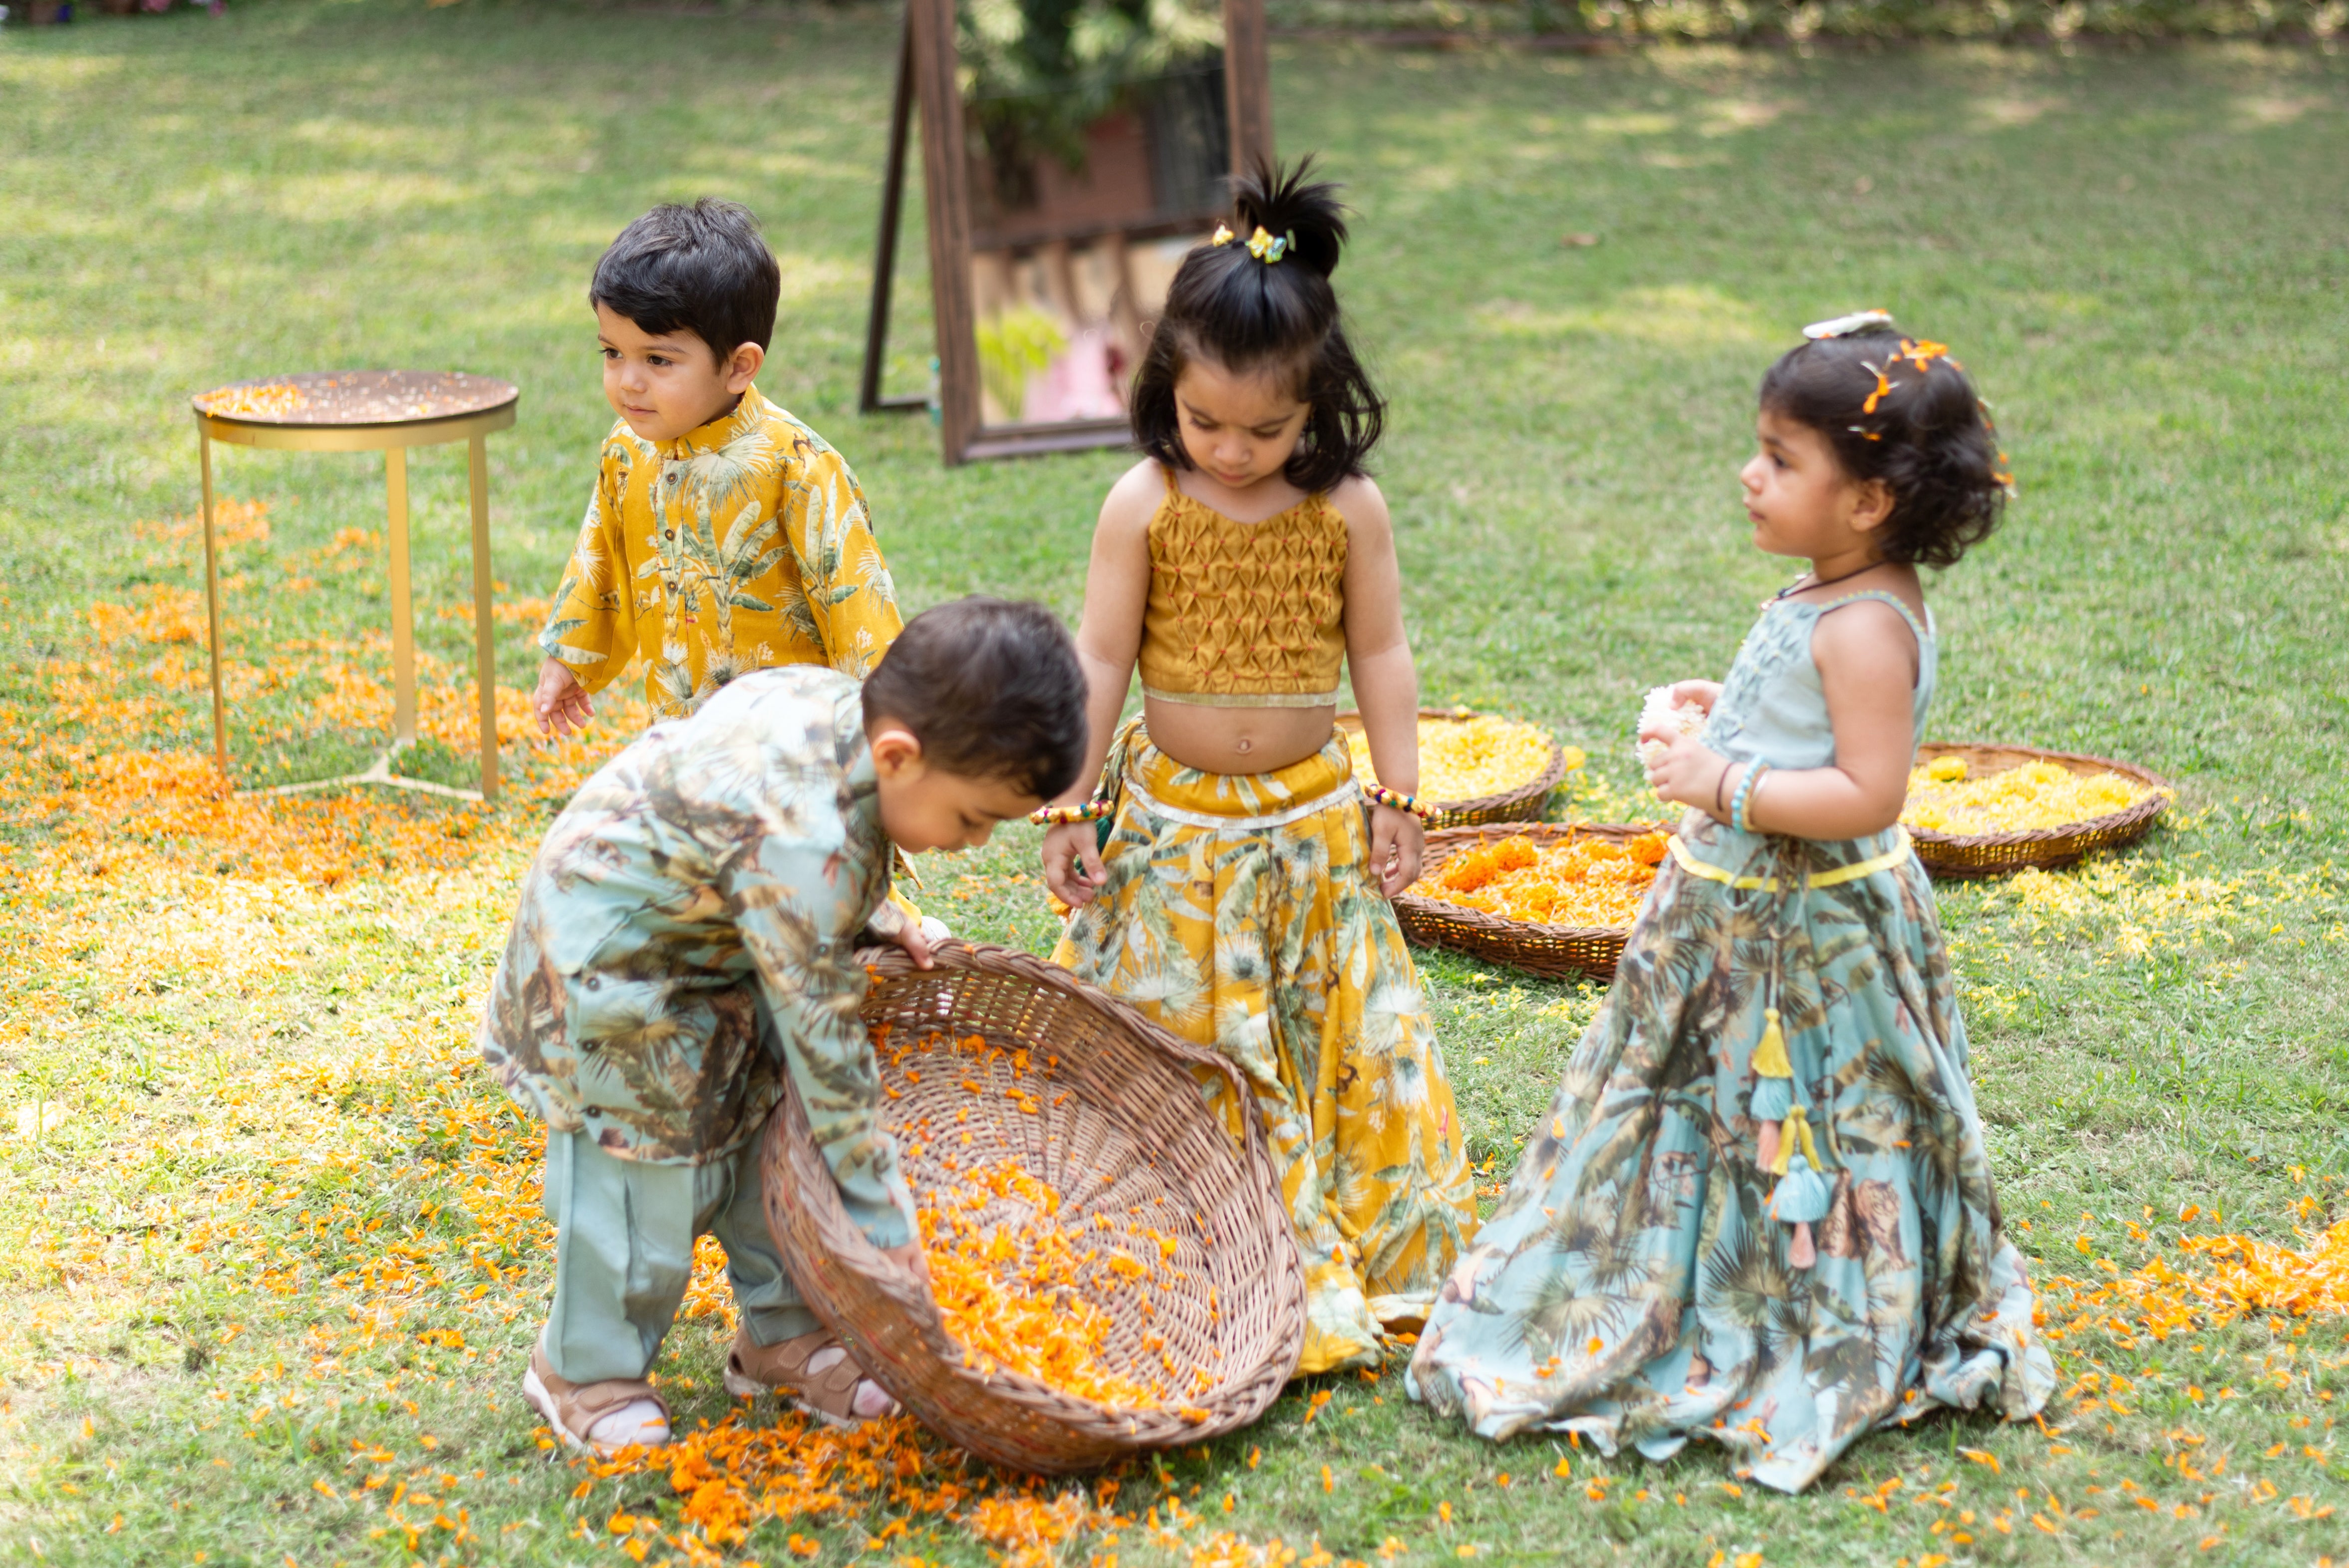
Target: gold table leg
403 623
212 602
485 641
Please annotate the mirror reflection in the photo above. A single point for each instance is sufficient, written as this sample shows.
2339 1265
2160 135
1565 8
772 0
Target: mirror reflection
1098 148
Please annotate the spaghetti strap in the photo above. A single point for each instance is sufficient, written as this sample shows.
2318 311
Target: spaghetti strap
1172 487
1923 635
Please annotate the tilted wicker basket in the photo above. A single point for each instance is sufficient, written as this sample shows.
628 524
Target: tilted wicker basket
1119 1122
1959 855
1553 952
1522 804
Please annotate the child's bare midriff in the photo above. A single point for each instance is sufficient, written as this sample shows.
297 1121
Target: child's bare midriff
1236 739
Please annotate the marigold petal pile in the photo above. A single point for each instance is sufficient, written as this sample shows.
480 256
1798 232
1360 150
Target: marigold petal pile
1585 881
1461 758
1945 797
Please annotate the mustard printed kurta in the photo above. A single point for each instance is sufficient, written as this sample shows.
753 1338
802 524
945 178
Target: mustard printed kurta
742 544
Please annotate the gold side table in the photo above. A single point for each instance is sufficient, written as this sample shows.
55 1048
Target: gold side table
368 411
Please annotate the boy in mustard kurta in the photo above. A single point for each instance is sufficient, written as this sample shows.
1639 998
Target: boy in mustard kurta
723 535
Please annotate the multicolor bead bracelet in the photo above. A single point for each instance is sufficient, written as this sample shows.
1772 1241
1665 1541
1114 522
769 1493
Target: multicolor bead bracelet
1380 795
1093 810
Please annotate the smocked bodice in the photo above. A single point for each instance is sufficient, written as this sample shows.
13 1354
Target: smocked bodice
1244 615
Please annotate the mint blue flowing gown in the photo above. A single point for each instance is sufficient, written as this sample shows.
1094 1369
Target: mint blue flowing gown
1632 1285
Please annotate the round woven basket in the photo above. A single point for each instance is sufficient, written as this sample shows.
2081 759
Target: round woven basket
2002 854
1553 952
1118 1122
1522 804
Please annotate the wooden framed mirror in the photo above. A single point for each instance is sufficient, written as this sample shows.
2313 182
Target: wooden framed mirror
1057 204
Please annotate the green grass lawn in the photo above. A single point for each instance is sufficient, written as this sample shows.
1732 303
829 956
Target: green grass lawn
274 1263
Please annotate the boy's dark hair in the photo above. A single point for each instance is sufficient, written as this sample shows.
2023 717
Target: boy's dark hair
991 688
702 269
1900 412
1226 305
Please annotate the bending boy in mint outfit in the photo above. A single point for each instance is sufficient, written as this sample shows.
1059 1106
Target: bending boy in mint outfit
688 935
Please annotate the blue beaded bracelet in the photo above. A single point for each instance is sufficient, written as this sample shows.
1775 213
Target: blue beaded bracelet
1743 798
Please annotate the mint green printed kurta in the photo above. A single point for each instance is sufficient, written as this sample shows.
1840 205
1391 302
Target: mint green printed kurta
687 934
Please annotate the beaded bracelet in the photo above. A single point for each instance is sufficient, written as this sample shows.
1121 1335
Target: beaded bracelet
1380 795
1093 810
1742 801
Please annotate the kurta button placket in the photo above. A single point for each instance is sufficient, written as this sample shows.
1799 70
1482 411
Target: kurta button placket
644 530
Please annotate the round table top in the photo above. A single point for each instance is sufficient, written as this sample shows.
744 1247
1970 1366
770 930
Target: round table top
328 399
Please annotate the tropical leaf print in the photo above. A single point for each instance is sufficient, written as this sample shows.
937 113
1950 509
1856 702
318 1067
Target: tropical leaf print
744 544
686 935
1639 1202
1268 946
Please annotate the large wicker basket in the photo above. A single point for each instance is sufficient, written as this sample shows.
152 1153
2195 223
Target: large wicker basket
1553 952
1120 1121
1522 804
2001 854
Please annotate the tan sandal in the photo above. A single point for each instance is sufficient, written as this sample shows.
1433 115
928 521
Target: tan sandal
604 1417
830 1394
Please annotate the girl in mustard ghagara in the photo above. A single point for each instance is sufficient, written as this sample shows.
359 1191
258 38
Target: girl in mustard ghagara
1759 1211
1230 876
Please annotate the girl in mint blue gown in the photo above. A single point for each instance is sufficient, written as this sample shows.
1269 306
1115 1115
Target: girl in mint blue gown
1759 1211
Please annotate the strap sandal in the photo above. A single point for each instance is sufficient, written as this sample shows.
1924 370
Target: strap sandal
814 1371
606 1418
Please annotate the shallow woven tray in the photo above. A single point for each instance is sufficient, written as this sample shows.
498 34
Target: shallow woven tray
1553 952
1120 1122
1959 855
1522 804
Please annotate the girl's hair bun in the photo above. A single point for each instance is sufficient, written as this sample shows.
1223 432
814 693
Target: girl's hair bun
1295 206
1265 306
1900 410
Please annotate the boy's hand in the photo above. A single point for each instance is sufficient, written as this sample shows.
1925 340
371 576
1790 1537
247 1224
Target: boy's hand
560 702
911 1259
1072 864
905 933
1397 842
1686 772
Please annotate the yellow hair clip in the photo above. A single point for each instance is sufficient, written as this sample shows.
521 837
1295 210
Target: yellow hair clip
1267 250
1223 235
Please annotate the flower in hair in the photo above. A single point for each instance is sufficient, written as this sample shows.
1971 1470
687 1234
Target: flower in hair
1922 353
1845 325
1884 388
1223 235
1267 250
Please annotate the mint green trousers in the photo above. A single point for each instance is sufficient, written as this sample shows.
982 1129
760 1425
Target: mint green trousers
624 1234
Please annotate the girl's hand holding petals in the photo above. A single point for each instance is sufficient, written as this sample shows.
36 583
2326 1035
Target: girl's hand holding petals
1702 695
1686 773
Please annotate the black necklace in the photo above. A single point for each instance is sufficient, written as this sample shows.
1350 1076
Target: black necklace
1798 585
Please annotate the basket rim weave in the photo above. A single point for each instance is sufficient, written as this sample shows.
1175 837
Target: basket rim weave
2111 828
1531 792
1493 936
1096 1433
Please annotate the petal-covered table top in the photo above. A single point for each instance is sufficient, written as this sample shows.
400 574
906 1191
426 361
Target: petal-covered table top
356 397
